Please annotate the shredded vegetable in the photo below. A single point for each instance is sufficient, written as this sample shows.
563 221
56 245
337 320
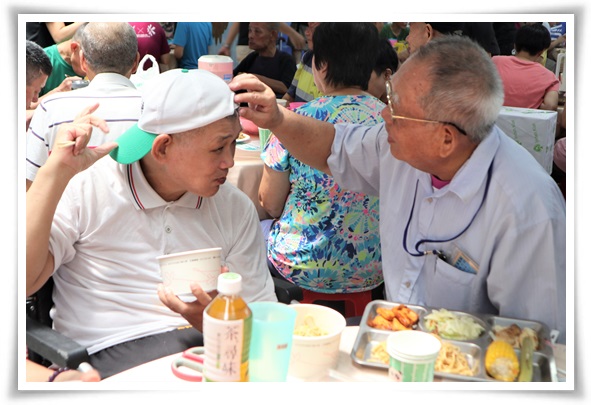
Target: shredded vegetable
452 326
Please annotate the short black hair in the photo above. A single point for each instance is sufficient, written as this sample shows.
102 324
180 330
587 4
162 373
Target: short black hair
38 62
387 57
448 28
532 38
349 49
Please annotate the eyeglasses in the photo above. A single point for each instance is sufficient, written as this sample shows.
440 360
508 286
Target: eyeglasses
400 117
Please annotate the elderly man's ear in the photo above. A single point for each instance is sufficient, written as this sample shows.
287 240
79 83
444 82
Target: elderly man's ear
135 65
160 147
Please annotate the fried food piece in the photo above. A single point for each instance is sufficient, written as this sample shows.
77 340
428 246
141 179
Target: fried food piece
386 313
397 325
406 316
380 322
400 317
514 335
509 334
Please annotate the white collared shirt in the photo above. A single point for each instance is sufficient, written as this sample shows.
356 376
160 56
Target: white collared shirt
518 237
108 229
120 105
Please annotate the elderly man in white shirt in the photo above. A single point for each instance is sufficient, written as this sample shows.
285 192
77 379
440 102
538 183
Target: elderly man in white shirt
162 191
468 220
108 55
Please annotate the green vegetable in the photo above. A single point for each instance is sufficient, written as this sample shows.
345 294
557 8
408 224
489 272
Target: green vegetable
452 326
526 371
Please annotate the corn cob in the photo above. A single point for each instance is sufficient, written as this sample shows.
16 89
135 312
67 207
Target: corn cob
501 361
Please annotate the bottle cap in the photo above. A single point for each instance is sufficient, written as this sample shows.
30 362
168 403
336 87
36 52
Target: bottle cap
229 283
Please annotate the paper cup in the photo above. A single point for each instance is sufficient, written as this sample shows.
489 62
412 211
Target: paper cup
179 270
313 356
271 341
412 356
282 102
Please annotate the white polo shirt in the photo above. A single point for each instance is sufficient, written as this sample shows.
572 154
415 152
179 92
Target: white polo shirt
108 229
120 105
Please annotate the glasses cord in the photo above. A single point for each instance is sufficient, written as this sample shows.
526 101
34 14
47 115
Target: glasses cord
437 251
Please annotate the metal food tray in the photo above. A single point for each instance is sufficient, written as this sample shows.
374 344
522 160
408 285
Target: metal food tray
544 366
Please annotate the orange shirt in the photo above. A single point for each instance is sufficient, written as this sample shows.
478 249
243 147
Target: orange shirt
525 82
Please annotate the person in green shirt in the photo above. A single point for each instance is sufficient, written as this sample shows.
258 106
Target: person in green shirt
395 30
65 60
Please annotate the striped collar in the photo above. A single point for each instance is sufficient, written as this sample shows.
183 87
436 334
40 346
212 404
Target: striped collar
143 195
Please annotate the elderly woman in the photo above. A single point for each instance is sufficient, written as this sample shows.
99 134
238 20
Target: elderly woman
324 238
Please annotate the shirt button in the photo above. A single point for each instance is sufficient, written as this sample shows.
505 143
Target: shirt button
429 200
167 229
407 284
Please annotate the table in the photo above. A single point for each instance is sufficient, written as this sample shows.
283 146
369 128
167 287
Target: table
248 171
158 371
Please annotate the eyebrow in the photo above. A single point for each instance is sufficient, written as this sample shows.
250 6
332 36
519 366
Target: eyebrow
223 138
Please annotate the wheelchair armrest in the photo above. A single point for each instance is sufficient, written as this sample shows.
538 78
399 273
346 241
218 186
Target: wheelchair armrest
287 292
54 346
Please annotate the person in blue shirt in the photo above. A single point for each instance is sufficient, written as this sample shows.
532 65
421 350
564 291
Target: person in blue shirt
191 41
558 38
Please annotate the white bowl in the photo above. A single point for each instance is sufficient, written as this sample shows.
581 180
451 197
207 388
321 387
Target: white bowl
313 356
178 270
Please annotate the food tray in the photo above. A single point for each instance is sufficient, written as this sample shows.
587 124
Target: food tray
544 366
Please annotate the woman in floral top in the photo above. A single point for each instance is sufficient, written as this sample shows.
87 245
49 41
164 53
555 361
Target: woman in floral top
326 239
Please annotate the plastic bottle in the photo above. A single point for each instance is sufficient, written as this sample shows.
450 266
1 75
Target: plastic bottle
227 325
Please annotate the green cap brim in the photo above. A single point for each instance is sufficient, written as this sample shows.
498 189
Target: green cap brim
133 145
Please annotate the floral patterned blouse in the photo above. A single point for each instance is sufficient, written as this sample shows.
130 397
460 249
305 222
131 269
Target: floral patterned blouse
327 239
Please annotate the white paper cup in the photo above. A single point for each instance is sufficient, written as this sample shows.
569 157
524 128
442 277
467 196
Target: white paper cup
412 355
179 270
313 356
282 102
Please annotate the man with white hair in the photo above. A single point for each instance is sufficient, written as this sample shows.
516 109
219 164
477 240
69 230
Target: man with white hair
469 220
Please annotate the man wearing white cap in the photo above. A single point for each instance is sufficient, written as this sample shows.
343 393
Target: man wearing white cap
162 192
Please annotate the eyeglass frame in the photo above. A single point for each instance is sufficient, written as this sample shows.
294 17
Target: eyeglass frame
401 117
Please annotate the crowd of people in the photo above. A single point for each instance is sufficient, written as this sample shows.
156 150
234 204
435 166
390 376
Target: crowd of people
390 175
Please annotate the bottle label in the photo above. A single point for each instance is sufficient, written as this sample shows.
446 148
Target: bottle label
224 343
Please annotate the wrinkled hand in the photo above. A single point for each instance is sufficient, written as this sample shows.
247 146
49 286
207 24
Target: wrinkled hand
191 311
262 103
78 157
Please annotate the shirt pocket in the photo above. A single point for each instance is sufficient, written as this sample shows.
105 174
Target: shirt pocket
448 287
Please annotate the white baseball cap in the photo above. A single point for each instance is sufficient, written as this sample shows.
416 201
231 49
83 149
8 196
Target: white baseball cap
175 101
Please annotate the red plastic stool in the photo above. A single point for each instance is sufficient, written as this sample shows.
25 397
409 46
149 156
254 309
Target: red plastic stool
355 303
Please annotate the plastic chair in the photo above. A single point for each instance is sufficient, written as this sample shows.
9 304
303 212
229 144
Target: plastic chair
355 303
